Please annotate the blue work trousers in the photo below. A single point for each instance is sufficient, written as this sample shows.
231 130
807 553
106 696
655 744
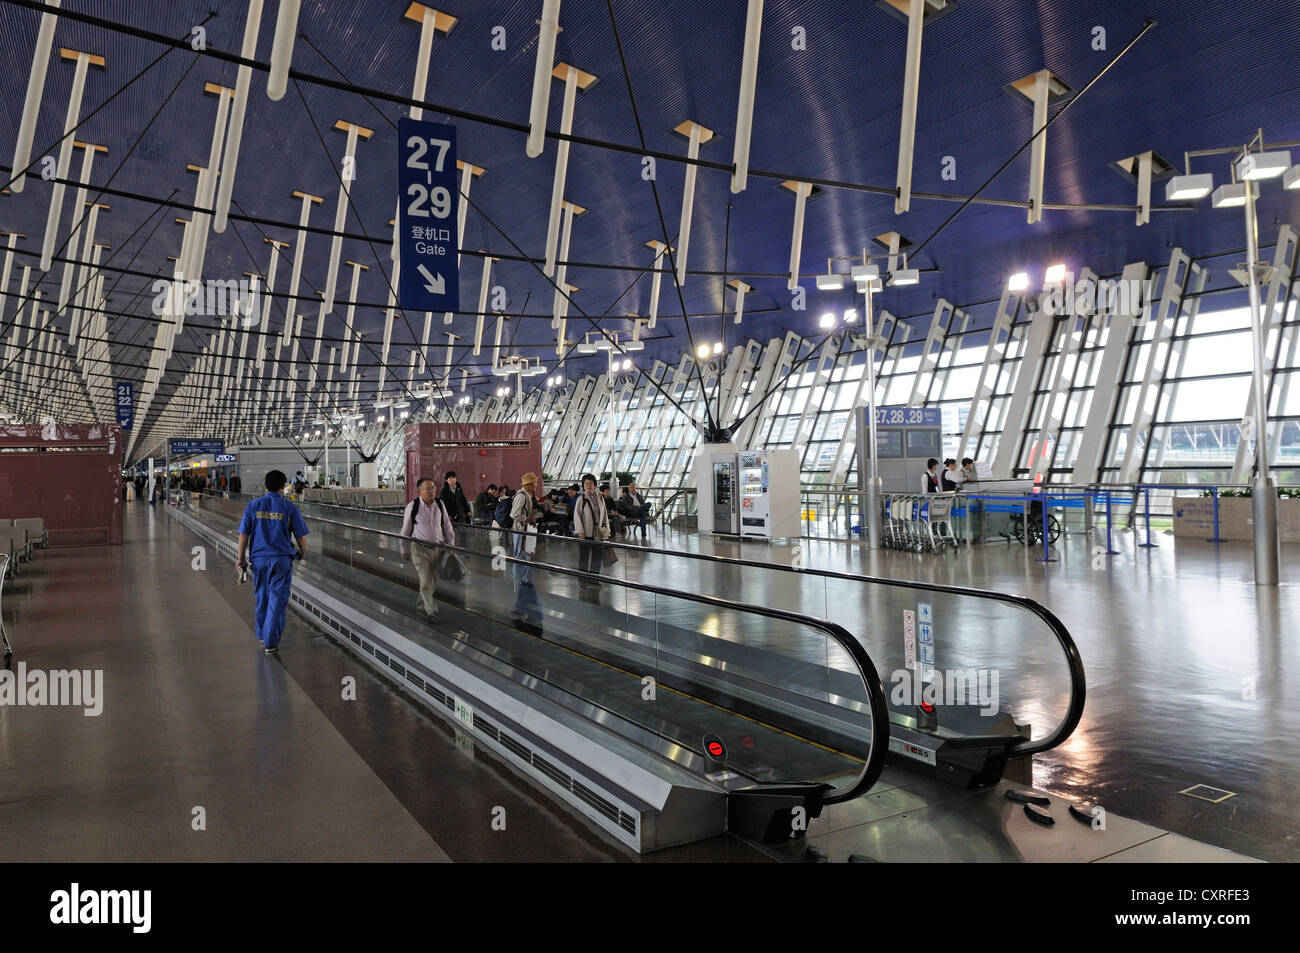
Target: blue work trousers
272 579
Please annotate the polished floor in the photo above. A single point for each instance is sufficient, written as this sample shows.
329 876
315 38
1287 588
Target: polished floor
285 768
1193 672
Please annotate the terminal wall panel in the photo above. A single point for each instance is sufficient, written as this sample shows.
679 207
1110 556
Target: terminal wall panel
70 475
480 454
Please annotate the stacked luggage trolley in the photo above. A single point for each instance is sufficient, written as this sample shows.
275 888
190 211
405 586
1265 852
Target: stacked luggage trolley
917 522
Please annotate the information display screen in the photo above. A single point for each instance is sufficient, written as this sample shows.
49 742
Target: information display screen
922 443
889 444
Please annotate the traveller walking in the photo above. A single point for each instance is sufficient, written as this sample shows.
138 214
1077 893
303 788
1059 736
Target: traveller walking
452 496
272 535
428 523
591 523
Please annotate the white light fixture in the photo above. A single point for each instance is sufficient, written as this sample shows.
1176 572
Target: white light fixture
904 277
405 414
634 345
627 363
586 347
851 316
827 320
1054 274
1182 188
1229 195
1263 165
864 273
717 347
830 282
702 351
1292 178
604 344
1018 282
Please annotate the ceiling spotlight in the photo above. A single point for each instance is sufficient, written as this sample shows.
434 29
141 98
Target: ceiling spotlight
550 382
1230 195
717 347
1182 188
627 363
1292 178
851 316
864 273
1263 165
827 320
702 351
903 277
1054 274
1018 282
830 282
405 414
586 347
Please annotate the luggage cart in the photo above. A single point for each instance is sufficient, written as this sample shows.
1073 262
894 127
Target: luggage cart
4 569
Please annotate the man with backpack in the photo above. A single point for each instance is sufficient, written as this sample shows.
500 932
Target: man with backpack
426 521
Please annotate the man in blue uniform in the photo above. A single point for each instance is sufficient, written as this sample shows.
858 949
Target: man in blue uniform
272 525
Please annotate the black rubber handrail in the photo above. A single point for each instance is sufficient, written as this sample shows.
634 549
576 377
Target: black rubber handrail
879 709
1078 683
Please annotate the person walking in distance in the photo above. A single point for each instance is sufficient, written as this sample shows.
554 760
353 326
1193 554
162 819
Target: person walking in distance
428 523
452 497
272 535
591 524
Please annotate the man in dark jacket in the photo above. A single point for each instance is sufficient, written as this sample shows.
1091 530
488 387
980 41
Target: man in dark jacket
484 504
453 498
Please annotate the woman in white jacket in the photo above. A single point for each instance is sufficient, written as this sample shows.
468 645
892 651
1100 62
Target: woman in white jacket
591 524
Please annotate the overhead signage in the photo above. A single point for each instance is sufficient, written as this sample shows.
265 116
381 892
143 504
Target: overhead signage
185 447
125 404
224 458
428 198
908 417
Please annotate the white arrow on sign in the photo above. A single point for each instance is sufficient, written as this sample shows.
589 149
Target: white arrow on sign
435 285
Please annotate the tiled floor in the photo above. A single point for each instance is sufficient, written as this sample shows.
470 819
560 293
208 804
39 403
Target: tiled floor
285 768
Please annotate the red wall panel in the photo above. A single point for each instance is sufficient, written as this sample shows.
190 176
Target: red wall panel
70 475
479 453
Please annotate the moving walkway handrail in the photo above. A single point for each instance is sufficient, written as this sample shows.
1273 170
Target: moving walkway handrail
879 709
1078 684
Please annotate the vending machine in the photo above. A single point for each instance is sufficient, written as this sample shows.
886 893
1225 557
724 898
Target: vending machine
769 493
725 509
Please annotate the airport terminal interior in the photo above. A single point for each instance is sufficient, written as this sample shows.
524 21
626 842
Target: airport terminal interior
650 432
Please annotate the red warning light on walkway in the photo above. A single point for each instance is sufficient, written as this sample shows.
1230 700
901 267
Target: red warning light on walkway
714 748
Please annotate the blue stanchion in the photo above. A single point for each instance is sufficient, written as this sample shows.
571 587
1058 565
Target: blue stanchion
1110 545
1147 507
1214 491
1047 556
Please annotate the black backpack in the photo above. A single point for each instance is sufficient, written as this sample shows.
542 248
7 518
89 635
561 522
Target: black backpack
502 513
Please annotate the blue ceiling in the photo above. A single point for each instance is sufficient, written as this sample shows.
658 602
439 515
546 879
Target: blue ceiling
1203 77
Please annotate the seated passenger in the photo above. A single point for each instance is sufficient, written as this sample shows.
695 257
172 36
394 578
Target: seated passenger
633 506
616 520
484 504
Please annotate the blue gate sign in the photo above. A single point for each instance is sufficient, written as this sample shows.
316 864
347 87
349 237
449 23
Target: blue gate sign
182 448
125 404
909 417
428 197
